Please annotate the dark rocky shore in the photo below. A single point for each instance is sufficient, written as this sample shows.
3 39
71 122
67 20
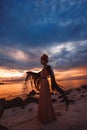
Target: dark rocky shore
16 102
31 97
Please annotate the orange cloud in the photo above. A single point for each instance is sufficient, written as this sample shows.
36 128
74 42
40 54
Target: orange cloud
7 73
76 73
73 74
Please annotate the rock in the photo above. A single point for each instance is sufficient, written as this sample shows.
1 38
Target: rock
14 102
30 109
84 86
62 100
60 97
52 93
2 102
22 107
32 93
82 95
1 111
2 83
72 101
31 99
54 100
78 89
67 92
2 106
3 127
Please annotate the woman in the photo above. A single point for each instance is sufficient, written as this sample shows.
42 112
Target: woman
46 112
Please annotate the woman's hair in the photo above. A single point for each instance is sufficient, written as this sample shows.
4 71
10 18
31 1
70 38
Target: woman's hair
44 57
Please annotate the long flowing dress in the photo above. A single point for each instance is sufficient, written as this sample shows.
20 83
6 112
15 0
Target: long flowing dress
46 112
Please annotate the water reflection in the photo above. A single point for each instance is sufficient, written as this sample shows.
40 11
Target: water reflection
10 91
68 84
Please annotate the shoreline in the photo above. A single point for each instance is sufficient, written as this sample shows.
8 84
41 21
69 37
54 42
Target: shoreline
25 117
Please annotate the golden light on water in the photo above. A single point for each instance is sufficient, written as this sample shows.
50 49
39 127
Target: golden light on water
66 79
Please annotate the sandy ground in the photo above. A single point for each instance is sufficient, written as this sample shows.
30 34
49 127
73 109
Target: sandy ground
26 118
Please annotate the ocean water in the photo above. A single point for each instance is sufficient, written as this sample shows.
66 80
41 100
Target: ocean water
12 90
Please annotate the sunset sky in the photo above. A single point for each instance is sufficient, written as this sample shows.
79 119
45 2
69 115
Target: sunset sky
29 28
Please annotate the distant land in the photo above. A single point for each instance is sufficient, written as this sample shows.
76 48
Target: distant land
2 83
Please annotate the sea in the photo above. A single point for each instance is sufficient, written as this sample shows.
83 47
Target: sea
22 89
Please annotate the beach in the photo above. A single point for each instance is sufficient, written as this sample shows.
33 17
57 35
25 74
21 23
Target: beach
75 118
43 53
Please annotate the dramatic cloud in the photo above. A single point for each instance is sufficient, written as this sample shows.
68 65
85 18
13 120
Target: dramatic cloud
61 56
29 28
69 55
42 21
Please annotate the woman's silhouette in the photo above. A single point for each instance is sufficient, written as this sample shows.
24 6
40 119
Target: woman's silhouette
45 109
46 112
